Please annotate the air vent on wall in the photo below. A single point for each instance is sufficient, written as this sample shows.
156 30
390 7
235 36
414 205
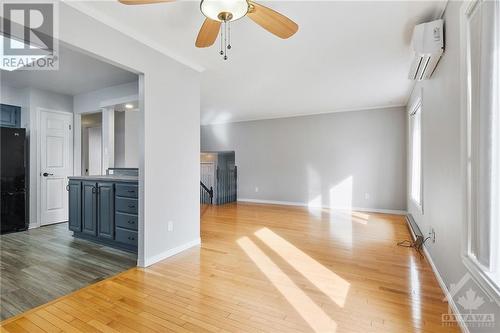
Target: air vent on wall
428 46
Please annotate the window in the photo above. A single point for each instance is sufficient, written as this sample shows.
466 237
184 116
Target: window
481 86
416 153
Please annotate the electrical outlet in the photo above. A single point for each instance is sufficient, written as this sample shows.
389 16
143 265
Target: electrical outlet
256 189
170 226
432 234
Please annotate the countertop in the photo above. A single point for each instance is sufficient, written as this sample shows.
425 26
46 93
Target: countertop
108 178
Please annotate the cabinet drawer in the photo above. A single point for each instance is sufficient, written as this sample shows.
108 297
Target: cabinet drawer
126 221
126 205
127 190
126 236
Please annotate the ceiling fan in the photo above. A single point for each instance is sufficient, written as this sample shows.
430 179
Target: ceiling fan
222 12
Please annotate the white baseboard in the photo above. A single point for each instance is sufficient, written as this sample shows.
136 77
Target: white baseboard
164 255
443 286
303 204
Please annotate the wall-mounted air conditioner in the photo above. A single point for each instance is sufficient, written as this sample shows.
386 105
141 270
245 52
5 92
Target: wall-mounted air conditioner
428 46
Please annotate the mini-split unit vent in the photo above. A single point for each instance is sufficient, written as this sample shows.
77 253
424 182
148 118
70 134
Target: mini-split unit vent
428 46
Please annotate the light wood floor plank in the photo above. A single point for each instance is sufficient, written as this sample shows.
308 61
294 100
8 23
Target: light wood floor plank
265 268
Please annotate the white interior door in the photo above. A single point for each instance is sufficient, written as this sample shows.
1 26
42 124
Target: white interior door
95 150
56 164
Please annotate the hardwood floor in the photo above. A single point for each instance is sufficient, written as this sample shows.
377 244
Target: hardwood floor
264 269
42 264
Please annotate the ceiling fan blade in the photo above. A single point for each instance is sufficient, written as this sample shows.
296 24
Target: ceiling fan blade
208 33
272 21
142 2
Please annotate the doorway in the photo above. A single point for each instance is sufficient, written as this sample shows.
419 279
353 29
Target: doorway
92 144
55 137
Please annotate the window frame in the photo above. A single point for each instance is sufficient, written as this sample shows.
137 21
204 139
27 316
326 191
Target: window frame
481 274
416 107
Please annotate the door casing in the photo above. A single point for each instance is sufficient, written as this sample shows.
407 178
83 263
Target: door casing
39 152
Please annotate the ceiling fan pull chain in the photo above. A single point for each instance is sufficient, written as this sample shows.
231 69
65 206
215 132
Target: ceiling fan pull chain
225 40
221 52
229 35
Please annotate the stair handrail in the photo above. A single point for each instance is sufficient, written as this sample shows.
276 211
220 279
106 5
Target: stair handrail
209 191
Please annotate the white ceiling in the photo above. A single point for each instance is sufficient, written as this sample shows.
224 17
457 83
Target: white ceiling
78 73
346 55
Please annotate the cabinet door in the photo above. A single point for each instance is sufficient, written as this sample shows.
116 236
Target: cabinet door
89 208
75 205
105 210
10 115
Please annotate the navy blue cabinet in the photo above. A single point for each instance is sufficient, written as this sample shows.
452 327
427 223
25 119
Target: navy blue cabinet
89 208
105 210
75 205
10 115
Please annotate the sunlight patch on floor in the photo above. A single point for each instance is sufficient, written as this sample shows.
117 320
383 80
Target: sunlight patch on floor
415 284
360 215
332 285
315 317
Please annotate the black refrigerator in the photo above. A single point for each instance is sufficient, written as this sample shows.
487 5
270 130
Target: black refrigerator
13 187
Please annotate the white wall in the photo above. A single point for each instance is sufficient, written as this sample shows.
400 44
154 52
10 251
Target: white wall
132 118
88 121
31 100
120 139
95 100
100 100
338 160
170 130
127 139
443 170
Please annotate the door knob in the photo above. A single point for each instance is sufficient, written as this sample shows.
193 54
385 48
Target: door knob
45 174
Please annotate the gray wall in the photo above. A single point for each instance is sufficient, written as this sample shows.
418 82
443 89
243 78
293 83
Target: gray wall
349 159
443 170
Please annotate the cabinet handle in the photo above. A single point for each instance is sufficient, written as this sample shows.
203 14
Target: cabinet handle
131 238
131 206
131 191
131 222
67 188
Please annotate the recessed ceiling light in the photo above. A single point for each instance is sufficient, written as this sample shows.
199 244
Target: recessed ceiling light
129 106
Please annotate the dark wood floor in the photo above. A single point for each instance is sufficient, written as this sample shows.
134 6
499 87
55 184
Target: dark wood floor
40 265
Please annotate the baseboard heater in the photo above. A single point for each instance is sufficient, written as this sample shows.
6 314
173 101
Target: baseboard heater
417 237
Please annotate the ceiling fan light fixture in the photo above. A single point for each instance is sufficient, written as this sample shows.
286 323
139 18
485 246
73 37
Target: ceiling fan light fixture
224 10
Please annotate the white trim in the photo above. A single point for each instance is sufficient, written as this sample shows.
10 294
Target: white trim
169 253
480 276
304 204
295 115
446 292
464 141
119 100
123 28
